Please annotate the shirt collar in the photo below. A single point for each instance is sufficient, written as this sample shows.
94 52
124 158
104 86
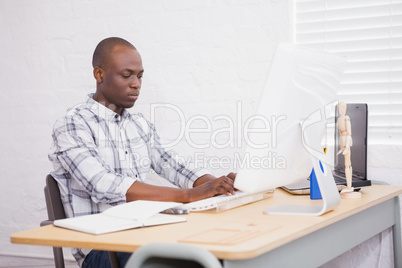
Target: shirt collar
102 111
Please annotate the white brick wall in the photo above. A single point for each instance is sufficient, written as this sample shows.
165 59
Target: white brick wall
201 56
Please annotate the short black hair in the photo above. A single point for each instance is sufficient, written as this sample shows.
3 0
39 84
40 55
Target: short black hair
105 47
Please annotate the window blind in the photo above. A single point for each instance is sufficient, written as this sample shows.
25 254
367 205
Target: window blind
369 34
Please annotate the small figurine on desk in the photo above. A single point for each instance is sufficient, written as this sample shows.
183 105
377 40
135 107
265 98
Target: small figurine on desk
345 133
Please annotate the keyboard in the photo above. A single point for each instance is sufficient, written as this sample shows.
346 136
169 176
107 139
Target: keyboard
224 202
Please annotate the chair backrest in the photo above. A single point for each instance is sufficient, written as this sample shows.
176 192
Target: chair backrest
55 209
172 255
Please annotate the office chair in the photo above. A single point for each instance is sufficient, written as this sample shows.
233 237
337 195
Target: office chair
171 256
55 211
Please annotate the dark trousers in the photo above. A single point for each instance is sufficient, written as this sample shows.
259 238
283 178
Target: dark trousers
100 259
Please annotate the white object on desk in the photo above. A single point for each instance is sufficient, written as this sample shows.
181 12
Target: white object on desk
130 215
329 193
300 91
224 202
301 82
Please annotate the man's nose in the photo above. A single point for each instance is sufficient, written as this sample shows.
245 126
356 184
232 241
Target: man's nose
135 82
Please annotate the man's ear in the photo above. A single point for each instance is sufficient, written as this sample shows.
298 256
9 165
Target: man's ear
98 74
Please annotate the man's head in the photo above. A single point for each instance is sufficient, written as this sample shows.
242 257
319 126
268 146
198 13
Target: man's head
105 47
118 72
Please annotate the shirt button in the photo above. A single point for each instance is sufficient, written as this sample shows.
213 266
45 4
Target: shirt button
136 175
126 152
116 116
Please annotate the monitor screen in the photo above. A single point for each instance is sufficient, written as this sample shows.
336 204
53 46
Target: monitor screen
298 101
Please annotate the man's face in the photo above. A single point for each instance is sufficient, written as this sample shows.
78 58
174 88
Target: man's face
119 81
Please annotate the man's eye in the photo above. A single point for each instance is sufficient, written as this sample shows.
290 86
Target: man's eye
126 75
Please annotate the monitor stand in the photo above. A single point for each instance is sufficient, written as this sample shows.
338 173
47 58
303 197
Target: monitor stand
329 193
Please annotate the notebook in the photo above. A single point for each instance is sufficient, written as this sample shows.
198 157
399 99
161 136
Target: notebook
129 215
358 113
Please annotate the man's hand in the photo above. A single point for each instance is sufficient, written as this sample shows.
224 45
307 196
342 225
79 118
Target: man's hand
208 186
204 187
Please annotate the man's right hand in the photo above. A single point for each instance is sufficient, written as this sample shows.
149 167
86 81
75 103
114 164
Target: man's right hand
208 186
204 187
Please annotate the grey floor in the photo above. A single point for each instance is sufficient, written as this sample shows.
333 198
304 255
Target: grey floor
22 262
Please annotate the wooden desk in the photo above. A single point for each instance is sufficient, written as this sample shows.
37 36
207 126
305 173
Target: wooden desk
314 240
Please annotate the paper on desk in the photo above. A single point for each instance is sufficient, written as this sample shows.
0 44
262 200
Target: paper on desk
130 215
139 210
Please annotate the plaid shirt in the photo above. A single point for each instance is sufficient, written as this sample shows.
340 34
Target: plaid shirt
97 155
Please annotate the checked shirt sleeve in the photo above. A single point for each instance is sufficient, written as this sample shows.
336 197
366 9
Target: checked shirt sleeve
76 149
169 164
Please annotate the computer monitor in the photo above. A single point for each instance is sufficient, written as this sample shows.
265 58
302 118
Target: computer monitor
298 101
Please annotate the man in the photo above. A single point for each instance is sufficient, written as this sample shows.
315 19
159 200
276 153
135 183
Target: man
102 153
